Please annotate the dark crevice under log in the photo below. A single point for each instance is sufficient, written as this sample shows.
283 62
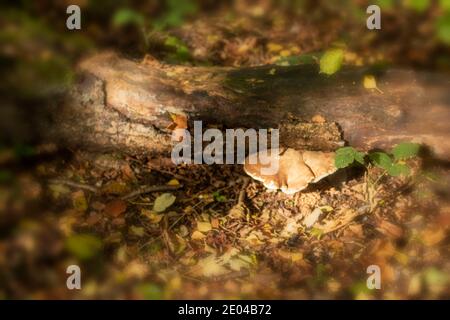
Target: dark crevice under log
125 105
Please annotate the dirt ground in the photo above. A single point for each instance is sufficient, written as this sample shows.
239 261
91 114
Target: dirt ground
224 236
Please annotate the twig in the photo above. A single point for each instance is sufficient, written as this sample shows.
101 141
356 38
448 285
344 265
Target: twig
242 193
149 189
74 184
175 223
175 175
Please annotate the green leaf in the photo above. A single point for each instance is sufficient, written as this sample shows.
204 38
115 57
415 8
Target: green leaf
5 176
218 197
435 277
79 201
417 5
172 41
346 156
137 231
342 161
128 17
399 169
150 291
444 5
443 29
23 150
83 246
360 289
163 202
346 150
175 14
381 160
316 232
182 52
405 150
331 61
359 157
385 4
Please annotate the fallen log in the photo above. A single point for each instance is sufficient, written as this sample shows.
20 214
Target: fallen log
126 105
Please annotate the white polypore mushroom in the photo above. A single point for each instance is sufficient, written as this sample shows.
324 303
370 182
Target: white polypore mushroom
296 169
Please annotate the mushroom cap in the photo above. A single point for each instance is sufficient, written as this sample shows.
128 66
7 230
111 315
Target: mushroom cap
320 163
296 169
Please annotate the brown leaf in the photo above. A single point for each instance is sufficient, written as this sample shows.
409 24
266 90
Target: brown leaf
115 188
215 223
93 218
79 201
318 119
208 267
197 235
432 236
389 229
115 208
204 226
98 206
119 222
128 172
179 122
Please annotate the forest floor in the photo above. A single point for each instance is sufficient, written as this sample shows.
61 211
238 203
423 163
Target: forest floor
222 234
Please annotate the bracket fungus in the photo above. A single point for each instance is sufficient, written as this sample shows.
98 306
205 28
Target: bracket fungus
295 169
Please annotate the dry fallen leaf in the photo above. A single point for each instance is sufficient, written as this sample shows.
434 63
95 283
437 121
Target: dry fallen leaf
318 119
293 256
432 237
370 82
204 226
312 218
209 267
215 223
152 216
58 189
254 238
137 231
178 126
238 211
115 188
173 182
163 202
274 47
239 262
79 201
389 229
135 269
128 172
342 218
115 208
197 235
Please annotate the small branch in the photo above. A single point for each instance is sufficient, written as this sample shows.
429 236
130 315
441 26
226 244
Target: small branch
74 184
176 176
149 189
242 193
135 193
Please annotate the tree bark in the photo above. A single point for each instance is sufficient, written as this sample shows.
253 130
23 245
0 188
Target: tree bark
125 105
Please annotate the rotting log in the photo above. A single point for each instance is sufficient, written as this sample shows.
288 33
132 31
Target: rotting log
120 104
